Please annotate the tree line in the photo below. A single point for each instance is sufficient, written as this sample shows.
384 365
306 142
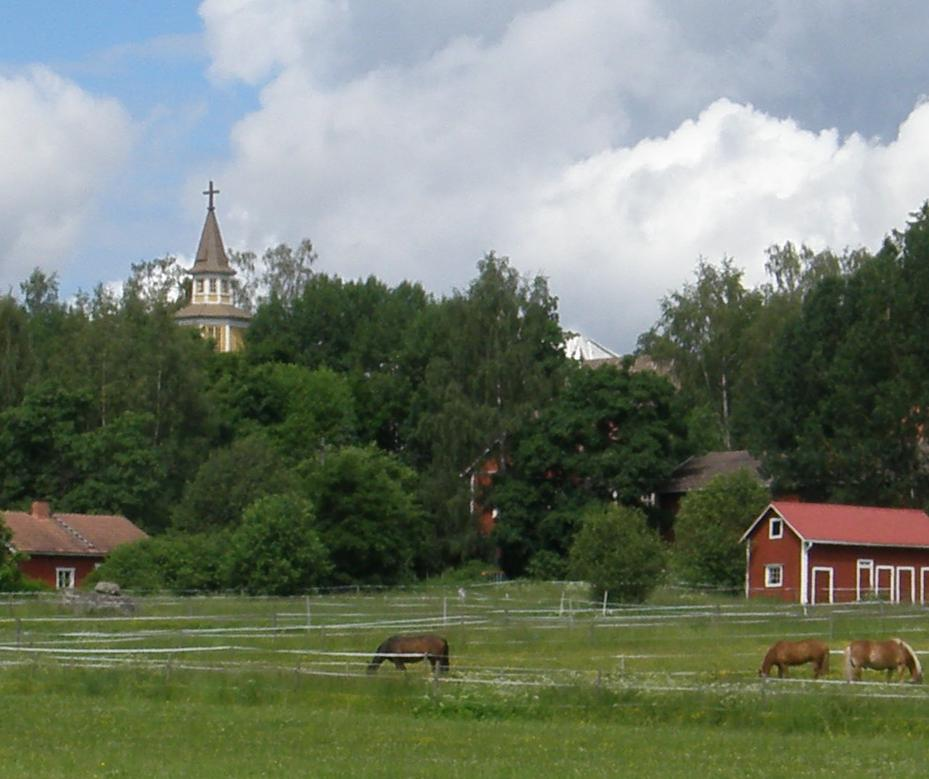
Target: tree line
332 449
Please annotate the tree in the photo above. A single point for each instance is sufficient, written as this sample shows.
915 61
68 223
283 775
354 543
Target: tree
10 576
277 549
300 411
367 515
700 333
609 436
618 553
228 481
709 525
174 562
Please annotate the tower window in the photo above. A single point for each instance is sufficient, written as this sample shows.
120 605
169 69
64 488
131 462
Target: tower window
199 285
212 285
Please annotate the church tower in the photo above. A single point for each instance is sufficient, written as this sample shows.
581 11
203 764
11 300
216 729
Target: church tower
210 307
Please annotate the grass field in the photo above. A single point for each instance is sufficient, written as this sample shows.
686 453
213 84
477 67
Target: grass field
543 683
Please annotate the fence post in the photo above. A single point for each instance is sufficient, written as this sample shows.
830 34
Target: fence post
445 611
309 615
606 594
560 607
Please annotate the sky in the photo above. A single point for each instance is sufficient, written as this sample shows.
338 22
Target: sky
608 146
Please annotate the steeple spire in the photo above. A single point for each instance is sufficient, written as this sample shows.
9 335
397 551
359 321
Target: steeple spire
211 254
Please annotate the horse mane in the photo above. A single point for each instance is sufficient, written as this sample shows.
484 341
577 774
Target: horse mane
913 657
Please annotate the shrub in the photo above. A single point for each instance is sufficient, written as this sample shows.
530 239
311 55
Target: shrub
276 550
545 565
709 525
179 562
617 552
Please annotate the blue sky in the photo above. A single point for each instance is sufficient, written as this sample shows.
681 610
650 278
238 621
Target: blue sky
606 145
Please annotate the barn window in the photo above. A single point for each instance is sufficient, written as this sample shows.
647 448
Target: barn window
773 575
64 578
776 528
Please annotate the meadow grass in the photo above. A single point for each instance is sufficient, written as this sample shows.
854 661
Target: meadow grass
542 683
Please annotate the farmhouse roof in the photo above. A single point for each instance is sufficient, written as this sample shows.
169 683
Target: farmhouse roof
42 532
697 472
831 523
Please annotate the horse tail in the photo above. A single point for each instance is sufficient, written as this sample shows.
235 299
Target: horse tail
916 668
849 665
443 658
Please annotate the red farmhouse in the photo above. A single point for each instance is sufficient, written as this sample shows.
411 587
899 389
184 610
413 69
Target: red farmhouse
826 553
64 548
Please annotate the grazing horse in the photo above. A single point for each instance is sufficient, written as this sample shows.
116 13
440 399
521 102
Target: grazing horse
891 655
411 649
787 653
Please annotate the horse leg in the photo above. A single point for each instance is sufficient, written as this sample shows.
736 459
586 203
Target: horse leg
780 670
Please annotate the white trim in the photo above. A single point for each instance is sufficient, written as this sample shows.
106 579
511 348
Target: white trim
922 583
780 527
863 565
899 569
769 569
748 569
877 580
805 547
821 569
72 578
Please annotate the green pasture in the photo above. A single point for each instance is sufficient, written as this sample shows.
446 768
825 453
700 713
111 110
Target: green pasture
543 682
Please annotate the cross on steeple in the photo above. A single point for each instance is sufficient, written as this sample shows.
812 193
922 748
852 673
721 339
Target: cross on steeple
211 192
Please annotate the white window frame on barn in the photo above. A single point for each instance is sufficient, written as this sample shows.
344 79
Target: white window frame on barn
775 527
774 575
65 578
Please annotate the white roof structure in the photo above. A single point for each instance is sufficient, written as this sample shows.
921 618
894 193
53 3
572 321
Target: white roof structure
585 350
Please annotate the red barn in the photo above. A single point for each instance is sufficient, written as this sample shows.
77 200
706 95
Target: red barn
63 549
827 553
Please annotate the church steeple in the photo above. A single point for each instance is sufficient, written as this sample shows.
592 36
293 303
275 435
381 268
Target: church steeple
211 307
211 255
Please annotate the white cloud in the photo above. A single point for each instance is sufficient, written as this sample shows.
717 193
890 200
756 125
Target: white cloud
60 146
526 143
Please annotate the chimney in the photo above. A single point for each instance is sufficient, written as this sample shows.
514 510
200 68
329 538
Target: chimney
41 509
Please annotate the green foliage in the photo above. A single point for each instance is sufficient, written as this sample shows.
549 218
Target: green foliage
277 549
545 565
175 562
608 436
299 411
10 577
231 479
708 527
618 553
367 515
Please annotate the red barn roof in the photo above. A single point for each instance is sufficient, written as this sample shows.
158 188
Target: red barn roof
42 532
858 525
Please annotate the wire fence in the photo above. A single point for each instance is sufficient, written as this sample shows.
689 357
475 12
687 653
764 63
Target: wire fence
501 637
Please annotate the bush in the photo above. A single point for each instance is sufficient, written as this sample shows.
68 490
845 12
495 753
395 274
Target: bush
709 525
618 553
547 566
178 562
276 550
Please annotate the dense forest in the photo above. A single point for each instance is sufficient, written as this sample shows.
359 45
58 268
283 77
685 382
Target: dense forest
332 449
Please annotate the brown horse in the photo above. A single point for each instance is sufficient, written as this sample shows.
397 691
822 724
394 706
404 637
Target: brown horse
787 653
891 655
411 649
